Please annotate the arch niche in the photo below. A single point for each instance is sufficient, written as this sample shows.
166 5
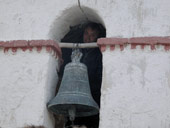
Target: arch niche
68 18
71 17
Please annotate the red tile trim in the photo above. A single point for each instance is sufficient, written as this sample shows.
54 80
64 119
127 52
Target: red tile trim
112 47
143 41
28 45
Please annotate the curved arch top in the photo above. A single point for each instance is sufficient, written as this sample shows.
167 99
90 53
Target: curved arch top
70 17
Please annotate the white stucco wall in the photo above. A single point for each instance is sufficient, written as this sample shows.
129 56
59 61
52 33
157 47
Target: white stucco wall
133 18
28 81
41 19
135 88
29 19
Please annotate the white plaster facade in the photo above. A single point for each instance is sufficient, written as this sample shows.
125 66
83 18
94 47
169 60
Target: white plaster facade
135 88
28 82
41 19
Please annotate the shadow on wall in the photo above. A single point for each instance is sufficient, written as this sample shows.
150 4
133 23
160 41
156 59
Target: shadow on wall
71 17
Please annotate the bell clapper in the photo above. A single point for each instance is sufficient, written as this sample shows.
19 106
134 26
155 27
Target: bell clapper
72 113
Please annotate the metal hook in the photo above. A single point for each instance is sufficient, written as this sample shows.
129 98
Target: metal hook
77 45
76 54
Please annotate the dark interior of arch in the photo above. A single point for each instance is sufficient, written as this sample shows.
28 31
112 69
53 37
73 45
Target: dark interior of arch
75 35
94 65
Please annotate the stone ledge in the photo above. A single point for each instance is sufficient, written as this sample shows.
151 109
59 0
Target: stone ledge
143 41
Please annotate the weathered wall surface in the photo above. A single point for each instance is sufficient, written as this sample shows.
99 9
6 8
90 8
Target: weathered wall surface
28 20
136 88
28 82
133 18
40 19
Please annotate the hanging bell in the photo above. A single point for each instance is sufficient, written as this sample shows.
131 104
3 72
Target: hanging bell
74 97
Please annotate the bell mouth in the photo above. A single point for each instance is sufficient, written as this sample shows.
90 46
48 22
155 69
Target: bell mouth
85 106
81 110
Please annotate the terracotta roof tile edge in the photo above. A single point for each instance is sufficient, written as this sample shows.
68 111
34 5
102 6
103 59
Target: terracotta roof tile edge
32 43
152 41
135 40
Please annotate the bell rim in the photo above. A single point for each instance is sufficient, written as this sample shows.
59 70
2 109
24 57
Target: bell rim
87 102
81 114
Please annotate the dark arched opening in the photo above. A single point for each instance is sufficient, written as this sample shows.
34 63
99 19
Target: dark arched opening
72 17
73 29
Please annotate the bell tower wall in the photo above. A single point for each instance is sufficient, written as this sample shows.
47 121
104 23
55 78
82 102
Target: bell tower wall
28 81
135 88
136 82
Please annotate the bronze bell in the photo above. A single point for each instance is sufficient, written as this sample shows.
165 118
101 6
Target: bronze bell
74 97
